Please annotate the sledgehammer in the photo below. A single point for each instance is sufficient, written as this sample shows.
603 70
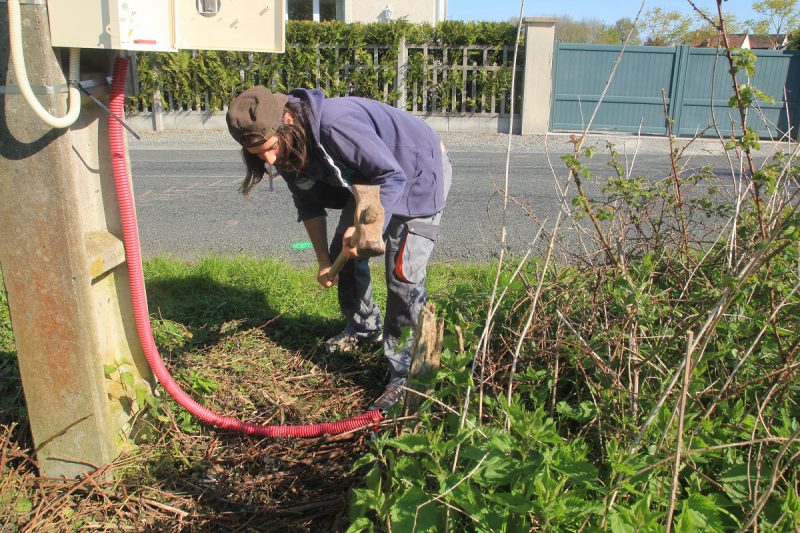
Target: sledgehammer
368 221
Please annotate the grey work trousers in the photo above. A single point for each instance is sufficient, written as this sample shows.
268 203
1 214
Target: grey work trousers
409 244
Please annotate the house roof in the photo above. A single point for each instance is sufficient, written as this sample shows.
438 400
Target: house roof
735 40
746 40
760 42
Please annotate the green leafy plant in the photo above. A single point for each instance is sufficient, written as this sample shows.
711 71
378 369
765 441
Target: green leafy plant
653 385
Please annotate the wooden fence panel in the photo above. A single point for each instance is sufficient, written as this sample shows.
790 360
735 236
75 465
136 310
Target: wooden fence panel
450 80
423 79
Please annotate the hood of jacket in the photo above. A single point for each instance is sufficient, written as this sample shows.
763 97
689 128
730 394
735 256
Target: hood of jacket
312 98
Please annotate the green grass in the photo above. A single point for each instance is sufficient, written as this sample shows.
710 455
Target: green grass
213 292
6 334
12 409
196 303
220 310
243 336
209 294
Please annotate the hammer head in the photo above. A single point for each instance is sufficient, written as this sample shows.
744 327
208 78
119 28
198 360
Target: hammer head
368 221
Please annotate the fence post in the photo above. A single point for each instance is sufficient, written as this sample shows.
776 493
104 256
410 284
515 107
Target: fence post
402 74
680 65
538 82
158 112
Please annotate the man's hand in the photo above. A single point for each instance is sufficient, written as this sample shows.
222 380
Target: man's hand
322 276
317 232
349 251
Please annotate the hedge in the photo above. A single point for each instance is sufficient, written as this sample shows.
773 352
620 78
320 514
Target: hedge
208 79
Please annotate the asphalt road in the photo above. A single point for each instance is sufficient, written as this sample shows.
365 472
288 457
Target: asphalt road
188 204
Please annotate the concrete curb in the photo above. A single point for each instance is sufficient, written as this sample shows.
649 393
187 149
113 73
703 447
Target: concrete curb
554 143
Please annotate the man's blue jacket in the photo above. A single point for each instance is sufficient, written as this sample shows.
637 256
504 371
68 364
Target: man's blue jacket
362 141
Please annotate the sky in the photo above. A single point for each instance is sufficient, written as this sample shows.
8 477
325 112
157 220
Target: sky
605 10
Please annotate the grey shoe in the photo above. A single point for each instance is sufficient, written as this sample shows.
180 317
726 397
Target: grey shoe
346 342
391 395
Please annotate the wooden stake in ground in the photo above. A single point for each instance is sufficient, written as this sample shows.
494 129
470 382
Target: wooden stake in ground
424 355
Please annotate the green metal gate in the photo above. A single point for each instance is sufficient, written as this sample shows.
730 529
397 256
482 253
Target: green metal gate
652 82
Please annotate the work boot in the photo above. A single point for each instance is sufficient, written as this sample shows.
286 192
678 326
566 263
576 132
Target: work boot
346 342
391 395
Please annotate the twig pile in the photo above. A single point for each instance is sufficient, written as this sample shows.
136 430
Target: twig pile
202 479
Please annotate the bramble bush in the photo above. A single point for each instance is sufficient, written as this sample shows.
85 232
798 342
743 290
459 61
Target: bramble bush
654 383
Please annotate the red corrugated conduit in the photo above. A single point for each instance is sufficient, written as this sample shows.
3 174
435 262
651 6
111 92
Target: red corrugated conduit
132 254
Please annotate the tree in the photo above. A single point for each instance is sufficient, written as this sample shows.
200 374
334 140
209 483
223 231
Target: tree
667 28
778 17
732 24
586 30
707 31
617 33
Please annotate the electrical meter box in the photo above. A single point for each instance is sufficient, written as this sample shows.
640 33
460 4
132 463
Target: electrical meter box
168 25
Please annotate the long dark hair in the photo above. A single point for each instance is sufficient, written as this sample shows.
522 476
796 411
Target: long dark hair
293 149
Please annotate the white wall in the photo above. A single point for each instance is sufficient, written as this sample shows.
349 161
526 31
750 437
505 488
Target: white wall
415 11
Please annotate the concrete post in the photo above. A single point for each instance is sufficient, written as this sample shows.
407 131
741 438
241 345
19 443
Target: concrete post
158 111
539 38
63 265
402 73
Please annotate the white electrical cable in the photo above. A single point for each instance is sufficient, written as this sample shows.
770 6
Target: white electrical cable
18 62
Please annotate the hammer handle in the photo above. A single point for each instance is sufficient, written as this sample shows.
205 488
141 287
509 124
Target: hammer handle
341 259
337 266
